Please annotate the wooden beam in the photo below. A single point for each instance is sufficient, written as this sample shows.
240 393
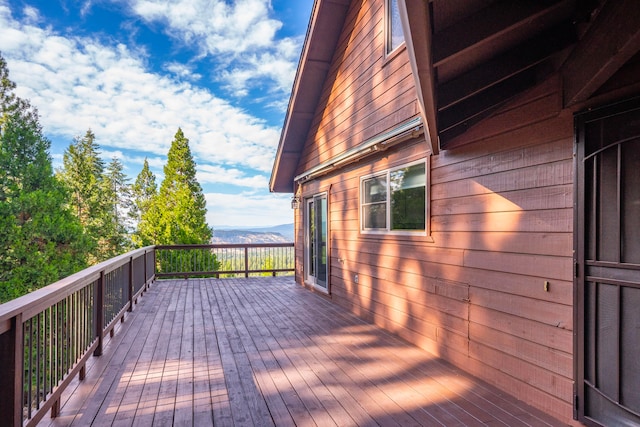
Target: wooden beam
457 119
416 24
612 39
503 67
495 22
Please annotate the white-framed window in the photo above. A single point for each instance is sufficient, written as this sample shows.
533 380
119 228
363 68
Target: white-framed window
395 200
394 36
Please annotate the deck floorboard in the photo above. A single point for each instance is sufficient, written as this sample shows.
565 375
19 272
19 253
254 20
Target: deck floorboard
265 352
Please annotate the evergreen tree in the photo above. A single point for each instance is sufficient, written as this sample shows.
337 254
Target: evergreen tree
177 215
40 240
82 172
143 191
116 194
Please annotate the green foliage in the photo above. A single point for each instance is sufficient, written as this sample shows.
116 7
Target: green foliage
40 240
82 173
177 215
116 194
100 197
268 264
201 260
143 190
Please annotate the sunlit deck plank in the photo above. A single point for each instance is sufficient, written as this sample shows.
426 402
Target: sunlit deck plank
400 399
263 351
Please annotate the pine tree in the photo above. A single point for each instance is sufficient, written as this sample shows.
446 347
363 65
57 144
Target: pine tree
40 240
116 194
177 215
143 190
82 172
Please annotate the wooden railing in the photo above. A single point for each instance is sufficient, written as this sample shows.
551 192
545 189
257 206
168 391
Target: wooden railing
47 336
225 260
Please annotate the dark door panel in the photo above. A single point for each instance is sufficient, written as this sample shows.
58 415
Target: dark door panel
608 255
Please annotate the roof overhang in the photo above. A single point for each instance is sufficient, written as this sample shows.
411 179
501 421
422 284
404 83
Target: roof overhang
414 15
470 58
323 33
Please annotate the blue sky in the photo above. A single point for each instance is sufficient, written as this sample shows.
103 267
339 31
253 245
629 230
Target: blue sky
133 71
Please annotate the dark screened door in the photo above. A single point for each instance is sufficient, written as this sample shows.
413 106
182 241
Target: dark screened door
608 260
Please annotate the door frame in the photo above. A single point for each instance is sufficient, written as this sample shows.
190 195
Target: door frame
579 246
308 279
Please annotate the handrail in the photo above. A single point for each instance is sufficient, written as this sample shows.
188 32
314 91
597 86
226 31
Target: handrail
224 259
28 304
47 336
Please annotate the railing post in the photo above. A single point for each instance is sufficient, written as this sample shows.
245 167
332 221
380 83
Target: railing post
130 284
99 313
246 261
145 270
12 367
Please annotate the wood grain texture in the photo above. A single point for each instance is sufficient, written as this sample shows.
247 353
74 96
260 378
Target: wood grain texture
363 95
265 351
501 222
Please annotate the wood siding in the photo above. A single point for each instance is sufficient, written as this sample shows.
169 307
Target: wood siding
365 93
473 292
501 224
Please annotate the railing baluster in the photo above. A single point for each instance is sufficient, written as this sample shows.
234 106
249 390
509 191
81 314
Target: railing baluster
67 335
99 310
28 367
38 325
246 261
130 284
45 350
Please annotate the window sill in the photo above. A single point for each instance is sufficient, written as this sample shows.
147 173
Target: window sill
390 56
397 236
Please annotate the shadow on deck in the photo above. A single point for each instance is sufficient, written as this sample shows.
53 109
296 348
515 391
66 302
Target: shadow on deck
265 351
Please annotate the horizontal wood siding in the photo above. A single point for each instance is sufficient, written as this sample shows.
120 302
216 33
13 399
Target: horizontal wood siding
501 219
501 199
364 94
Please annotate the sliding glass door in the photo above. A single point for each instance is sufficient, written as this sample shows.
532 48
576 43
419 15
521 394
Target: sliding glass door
316 242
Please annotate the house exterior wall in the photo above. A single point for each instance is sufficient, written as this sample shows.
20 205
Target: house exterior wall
365 93
473 292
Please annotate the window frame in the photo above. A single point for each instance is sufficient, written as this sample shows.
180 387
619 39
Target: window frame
389 50
386 174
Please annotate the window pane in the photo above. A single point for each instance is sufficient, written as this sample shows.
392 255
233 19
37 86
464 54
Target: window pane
396 36
410 177
375 216
375 189
408 201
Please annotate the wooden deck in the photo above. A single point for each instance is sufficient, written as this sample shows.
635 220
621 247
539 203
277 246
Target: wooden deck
264 351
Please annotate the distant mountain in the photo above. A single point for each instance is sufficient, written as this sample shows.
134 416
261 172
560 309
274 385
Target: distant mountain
277 234
285 229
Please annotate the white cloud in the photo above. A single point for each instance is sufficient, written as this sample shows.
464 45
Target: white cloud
86 7
241 34
182 70
32 14
209 174
79 83
248 209
215 25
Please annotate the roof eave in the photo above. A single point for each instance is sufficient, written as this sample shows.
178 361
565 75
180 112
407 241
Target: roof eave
414 15
323 33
